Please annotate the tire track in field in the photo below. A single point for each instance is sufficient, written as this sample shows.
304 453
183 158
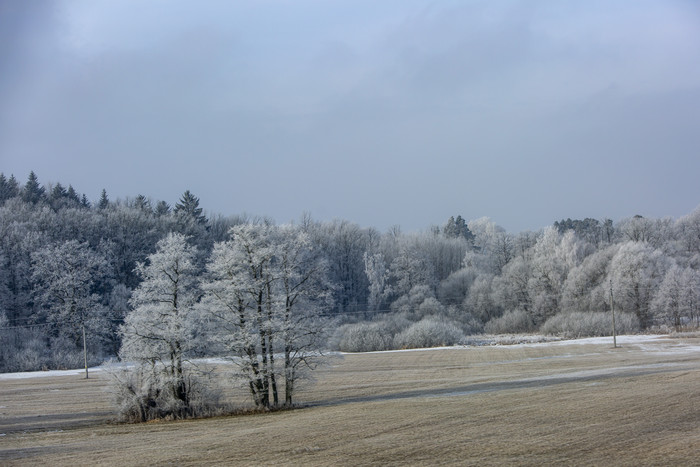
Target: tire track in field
585 376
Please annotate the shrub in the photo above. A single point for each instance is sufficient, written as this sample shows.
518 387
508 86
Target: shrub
365 337
144 392
33 355
580 324
429 332
467 321
512 322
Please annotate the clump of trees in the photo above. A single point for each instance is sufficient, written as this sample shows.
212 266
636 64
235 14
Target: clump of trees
258 302
264 295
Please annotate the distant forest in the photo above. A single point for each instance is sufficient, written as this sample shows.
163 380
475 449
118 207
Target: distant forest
386 289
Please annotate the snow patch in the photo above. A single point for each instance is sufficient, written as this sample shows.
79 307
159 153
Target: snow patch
49 373
652 341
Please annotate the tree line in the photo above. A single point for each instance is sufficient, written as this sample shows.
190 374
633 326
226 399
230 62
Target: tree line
69 264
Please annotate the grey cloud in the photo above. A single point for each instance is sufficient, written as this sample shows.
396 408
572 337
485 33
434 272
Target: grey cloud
382 114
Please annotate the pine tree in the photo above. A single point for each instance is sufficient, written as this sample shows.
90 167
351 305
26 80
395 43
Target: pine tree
457 228
72 195
58 191
33 192
142 203
188 208
8 188
162 209
104 201
57 197
450 229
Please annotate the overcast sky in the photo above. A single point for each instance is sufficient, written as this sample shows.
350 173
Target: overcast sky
379 112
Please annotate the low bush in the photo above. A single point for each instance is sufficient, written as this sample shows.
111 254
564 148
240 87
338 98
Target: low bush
469 323
429 332
589 324
365 337
30 350
511 322
145 392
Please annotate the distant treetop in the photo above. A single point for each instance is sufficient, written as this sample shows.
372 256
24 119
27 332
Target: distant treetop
189 207
456 228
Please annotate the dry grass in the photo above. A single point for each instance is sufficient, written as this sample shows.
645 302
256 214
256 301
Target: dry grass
558 404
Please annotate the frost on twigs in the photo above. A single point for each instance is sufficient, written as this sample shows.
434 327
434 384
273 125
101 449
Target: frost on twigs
146 392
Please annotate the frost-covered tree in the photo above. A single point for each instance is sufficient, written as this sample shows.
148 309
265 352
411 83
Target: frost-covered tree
66 274
678 296
237 300
344 245
586 288
494 243
5 293
411 268
131 236
480 302
552 257
158 333
20 235
264 291
636 271
303 292
511 290
688 232
656 232
442 256
377 275
453 290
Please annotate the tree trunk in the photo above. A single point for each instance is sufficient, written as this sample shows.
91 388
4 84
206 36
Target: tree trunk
288 376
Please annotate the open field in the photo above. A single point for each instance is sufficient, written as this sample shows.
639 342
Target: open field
576 402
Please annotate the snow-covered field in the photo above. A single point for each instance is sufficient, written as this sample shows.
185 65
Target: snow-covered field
515 341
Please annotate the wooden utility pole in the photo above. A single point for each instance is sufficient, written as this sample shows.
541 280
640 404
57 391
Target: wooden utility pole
85 352
612 310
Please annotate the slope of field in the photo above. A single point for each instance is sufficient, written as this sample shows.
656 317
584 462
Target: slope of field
574 402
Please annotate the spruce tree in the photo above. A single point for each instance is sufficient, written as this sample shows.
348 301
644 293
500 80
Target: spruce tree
142 203
162 209
188 207
104 201
72 195
8 188
33 192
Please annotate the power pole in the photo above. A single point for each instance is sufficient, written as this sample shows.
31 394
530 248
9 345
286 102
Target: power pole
612 310
85 352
